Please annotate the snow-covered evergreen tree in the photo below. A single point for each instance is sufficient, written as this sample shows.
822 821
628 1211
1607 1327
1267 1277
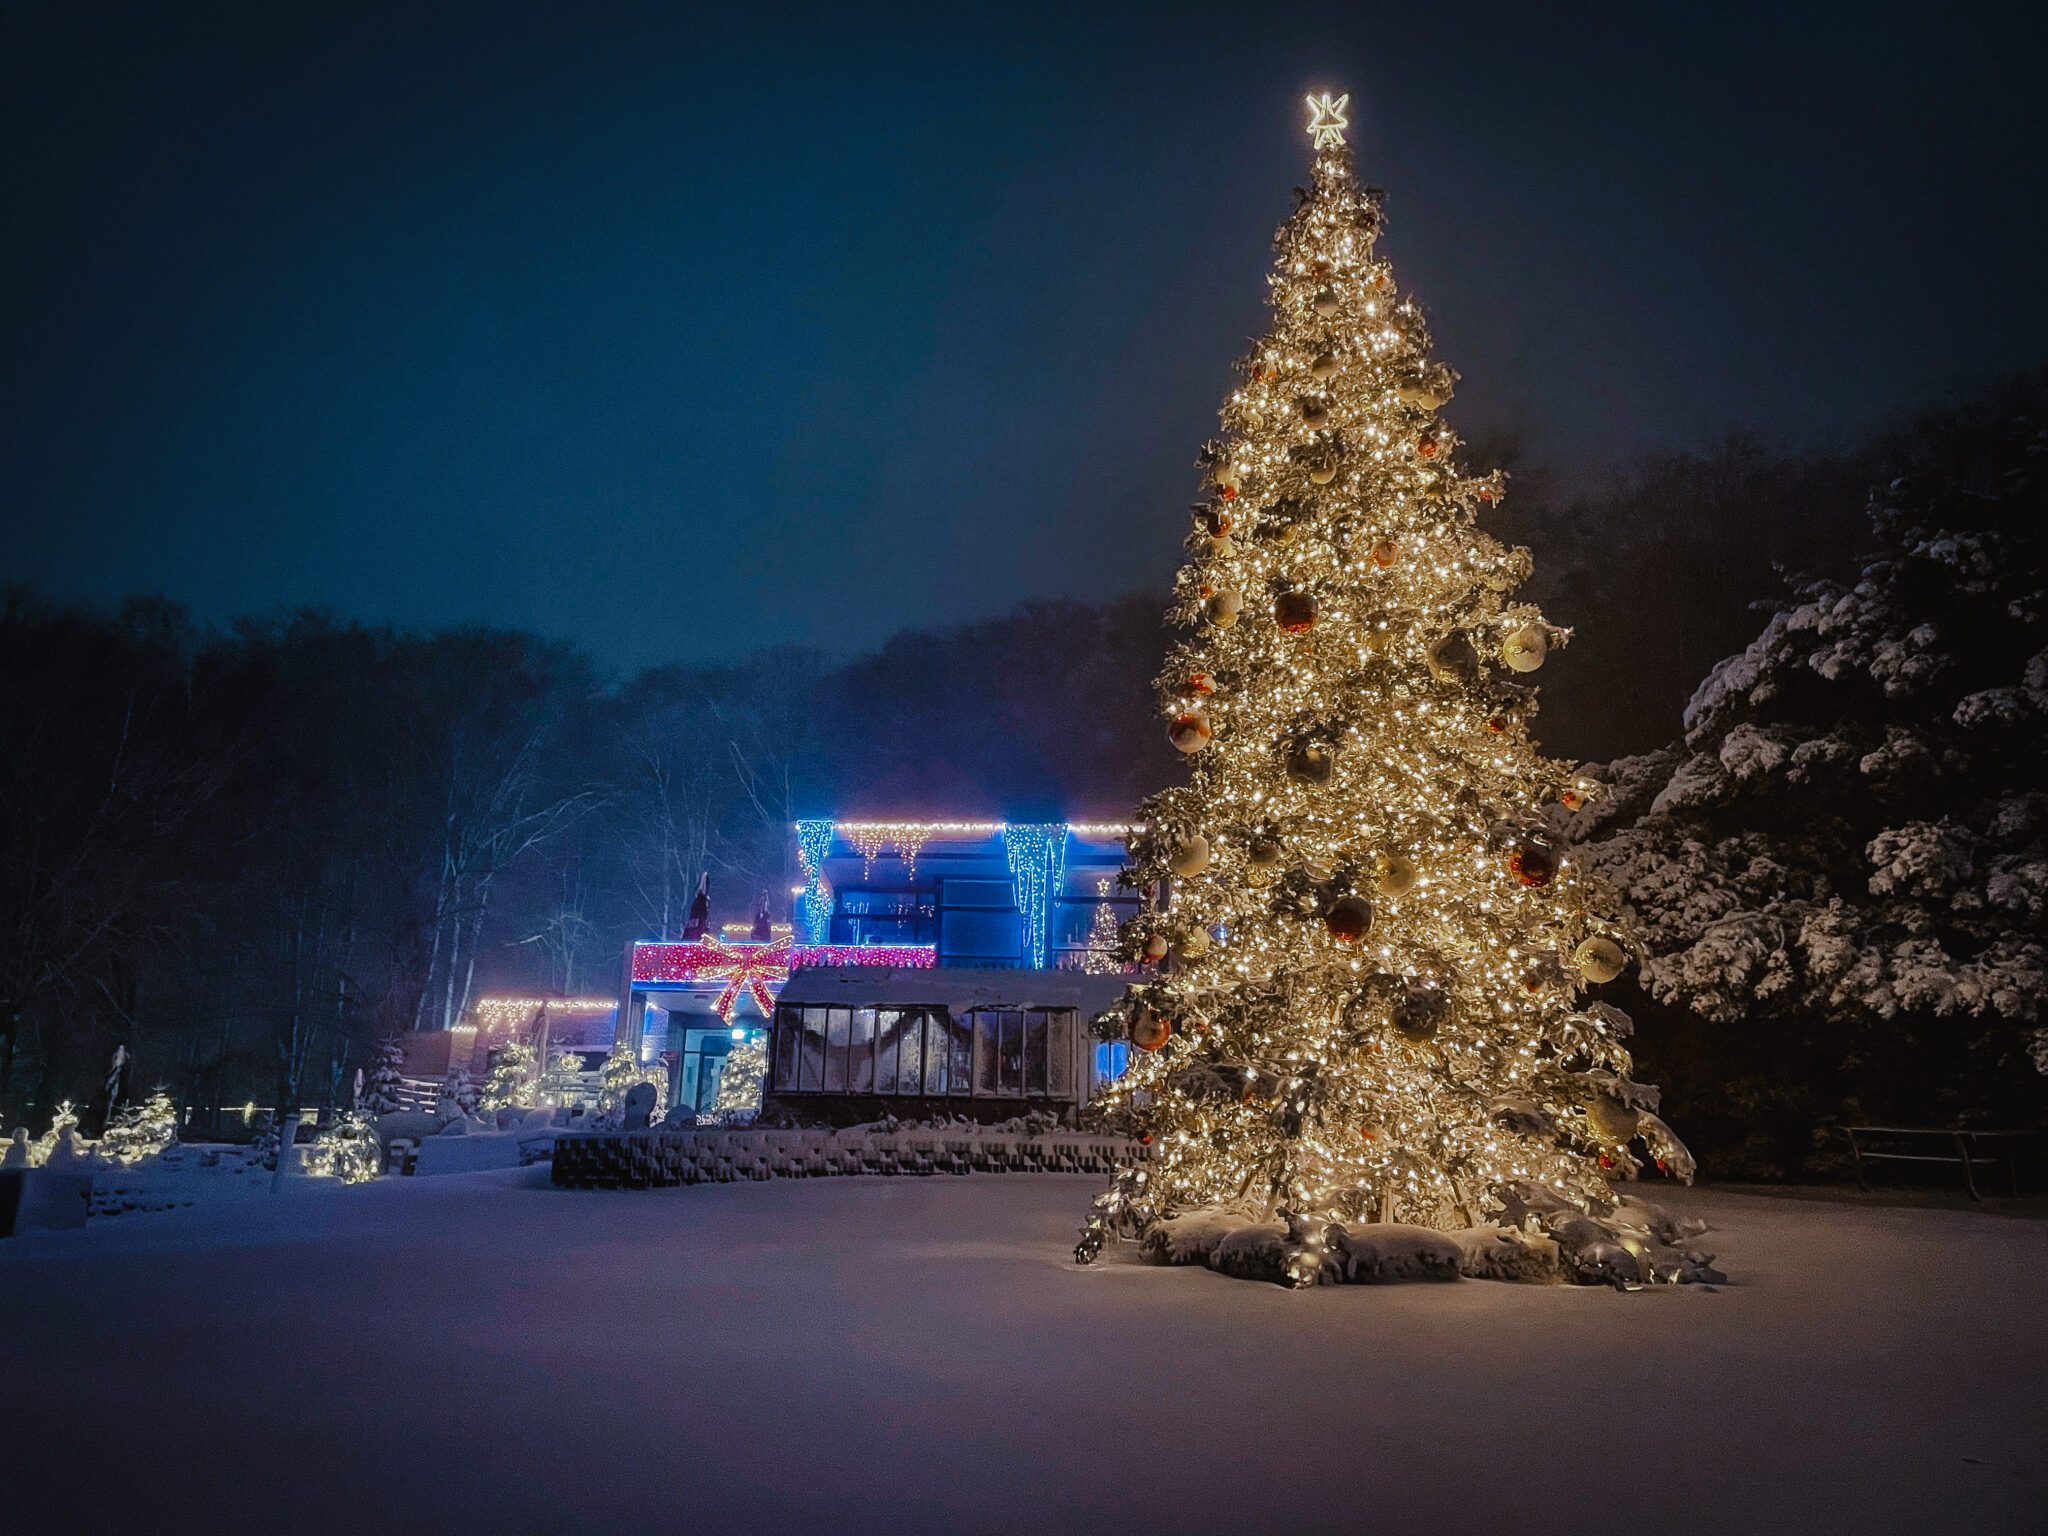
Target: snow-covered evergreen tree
387 1073
1843 866
458 1091
265 1142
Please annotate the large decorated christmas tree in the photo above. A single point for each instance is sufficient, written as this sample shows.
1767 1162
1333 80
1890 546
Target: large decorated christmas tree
1365 996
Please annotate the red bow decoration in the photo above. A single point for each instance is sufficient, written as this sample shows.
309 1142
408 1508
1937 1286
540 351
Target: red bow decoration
758 970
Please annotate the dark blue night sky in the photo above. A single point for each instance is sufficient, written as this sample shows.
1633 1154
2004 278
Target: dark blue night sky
678 331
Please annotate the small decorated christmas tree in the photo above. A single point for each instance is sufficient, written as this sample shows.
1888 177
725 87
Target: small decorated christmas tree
1101 957
621 1071
562 1083
739 1085
1366 999
511 1078
349 1149
64 1119
141 1130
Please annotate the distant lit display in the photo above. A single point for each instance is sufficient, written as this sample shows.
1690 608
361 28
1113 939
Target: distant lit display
757 971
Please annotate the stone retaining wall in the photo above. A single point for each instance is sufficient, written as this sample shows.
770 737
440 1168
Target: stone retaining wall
716 1155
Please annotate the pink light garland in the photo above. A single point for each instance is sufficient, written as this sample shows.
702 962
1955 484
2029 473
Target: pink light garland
759 970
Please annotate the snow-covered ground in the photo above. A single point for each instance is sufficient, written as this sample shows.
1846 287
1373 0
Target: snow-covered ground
484 1353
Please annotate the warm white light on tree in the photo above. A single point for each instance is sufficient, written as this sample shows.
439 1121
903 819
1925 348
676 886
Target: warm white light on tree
1361 1001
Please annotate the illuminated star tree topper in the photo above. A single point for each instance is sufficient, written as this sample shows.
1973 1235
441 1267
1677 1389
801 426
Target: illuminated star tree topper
1326 120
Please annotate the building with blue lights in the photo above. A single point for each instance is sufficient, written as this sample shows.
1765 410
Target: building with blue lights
994 895
881 906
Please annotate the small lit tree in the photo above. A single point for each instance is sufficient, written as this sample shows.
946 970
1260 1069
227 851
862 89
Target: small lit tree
622 1071
349 1149
511 1079
739 1086
1101 958
66 1119
141 1130
563 1080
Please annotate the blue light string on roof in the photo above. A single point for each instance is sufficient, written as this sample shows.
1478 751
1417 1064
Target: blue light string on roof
813 843
1038 868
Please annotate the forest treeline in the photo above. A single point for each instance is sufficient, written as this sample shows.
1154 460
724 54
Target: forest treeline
248 852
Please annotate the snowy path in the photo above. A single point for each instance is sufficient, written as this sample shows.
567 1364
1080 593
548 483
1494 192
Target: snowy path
482 1353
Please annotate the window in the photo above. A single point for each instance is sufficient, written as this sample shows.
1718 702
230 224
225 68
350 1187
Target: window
1112 1060
865 916
985 1053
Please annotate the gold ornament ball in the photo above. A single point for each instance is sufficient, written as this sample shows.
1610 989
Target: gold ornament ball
1190 856
1525 649
1224 607
1191 945
1421 393
1600 959
1394 874
1420 1013
1454 659
1315 412
1312 762
1262 850
1611 1119
1323 472
1324 368
1326 302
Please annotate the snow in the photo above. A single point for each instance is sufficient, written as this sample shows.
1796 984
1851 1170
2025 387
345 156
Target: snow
905 1355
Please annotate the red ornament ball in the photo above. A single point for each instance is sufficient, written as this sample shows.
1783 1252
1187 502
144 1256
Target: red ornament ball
1348 918
1384 552
1197 685
1150 1030
1295 612
1534 863
1190 731
1496 723
1426 446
